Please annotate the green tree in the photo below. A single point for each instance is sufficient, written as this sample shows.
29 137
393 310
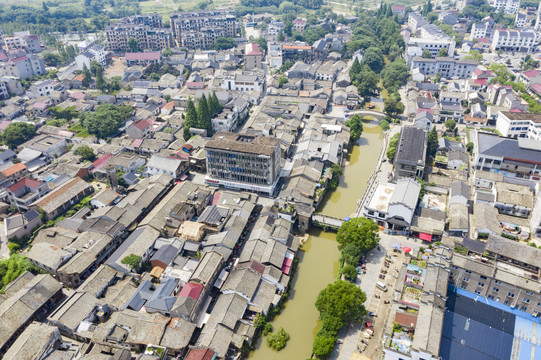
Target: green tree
384 124
323 346
393 106
12 267
355 68
224 43
167 52
351 254
360 231
395 75
391 149
133 46
286 66
427 54
106 120
277 341
450 125
469 147
67 113
214 104
355 125
350 272
132 260
373 57
443 52
203 115
51 59
262 42
87 76
17 133
85 152
474 55
432 143
280 36
340 303
366 82
281 81
101 83
191 119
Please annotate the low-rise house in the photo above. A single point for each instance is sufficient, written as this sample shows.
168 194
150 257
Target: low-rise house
140 129
485 219
27 298
166 165
63 198
14 172
143 58
402 205
21 225
457 160
139 243
410 153
460 193
37 341
25 191
49 145
515 200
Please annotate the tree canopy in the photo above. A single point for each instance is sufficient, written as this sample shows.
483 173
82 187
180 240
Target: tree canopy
393 106
395 75
224 43
17 133
132 260
391 149
85 152
373 57
191 119
432 143
355 125
106 120
360 231
11 268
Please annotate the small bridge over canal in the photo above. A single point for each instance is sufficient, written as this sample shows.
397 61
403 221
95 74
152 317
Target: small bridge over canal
327 222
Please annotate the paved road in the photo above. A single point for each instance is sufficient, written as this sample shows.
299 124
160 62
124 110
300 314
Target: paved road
4 251
351 336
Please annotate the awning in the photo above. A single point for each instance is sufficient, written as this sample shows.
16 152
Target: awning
183 177
424 236
398 222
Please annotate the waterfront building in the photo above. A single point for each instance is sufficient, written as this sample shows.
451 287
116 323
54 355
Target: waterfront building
410 153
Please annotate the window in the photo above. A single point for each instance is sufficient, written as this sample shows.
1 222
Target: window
490 297
481 284
477 292
483 277
529 293
506 302
523 308
526 300
511 295
498 282
466 279
495 289
467 271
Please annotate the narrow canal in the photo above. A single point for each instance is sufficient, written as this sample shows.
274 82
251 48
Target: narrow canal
318 260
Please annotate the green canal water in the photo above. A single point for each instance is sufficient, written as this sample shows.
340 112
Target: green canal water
318 260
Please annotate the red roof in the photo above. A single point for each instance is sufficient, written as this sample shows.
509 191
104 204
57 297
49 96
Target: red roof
3 57
19 59
200 354
13 169
480 81
252 49
299 21
155 55
516 110
420 110
4 124
77 95
296 47
474 119
79 77
286 266
536 88
195 84
530 73
101 162
398 7
192 290
24 182
143 124
136 143
170 105
483 40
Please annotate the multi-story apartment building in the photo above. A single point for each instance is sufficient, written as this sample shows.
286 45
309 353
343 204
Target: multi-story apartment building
40 88
522 125
481 30
94 54
25 191
243 161
432 39
243 82
507 6
4 92
23 41
147 30
514 40
447 67
416 21
207 25
297 52
252 56
23 66
520 20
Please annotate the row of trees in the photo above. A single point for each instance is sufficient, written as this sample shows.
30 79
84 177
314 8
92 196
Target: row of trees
200 118
341 303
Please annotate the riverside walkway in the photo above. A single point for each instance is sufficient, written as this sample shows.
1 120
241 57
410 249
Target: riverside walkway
327 222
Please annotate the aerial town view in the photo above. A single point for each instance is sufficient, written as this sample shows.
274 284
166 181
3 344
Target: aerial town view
265 179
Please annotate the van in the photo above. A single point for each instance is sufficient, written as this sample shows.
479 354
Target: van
381 285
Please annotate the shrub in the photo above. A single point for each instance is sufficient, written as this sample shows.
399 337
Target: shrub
277 341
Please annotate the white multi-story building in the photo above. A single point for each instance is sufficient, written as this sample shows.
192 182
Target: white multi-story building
24 41
96 54
40 88
507 6
481 30
23 66
242 82
447 67
520 20
514 40
416 21
4 93
516 124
